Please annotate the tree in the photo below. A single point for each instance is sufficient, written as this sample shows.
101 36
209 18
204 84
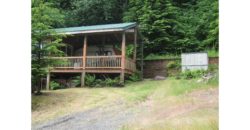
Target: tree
44 40
212 40
157 24
92 12
175 26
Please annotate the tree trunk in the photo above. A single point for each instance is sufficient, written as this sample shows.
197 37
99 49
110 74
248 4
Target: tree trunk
38 88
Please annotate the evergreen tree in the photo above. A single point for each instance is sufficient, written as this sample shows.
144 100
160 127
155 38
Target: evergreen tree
44 40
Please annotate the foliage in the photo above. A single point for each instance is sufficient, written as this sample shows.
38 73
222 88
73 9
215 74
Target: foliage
168 27
161 56
135 77
188 74
90 80
44 40
111 82
174 65
129 49
54 85
155 24
212 53
91 12
213 68
77 80
183 26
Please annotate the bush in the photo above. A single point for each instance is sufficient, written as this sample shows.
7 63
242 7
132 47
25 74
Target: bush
54 85
192 74
212 53
90 80
111 82
77 80
173 68
174 65
135 77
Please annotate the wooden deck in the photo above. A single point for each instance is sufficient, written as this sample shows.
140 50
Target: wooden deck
93 64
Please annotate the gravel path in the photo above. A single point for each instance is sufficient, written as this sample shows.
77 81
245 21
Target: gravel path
110 117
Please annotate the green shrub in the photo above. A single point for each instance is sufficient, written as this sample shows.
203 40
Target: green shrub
212 53
188 74
111 82
173 68
174 65
135 77
54 85
90 80
77 80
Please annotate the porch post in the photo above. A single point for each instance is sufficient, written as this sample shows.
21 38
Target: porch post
48 81
82 78
135 43
84 51
123 58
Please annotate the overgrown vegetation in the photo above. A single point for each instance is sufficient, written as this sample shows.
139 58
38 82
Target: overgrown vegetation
54 85
77 81
173 68
171 27
92 81
212 53
135 77
190 74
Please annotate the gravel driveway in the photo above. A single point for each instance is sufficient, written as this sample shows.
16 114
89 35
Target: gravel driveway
110 117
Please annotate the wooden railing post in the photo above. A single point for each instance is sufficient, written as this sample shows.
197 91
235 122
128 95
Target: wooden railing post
123 58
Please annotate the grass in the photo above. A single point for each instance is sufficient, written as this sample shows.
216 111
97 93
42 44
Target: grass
210 53
180 105
163 96
157 57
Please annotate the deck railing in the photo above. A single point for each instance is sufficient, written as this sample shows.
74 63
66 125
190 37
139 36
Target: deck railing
93 62
103 61
68 62
130 65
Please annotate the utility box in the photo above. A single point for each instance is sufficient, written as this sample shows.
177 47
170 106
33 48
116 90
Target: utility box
194 61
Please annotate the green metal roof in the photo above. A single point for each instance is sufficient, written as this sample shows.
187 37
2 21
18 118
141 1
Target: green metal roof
96 28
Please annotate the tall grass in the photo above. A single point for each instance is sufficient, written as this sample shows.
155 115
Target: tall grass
157 56
212 53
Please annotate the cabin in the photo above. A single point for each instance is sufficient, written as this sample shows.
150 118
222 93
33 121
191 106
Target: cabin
97 49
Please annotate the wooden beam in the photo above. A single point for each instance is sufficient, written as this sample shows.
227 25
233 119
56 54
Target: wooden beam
48 81
84 51
135 44
123 58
